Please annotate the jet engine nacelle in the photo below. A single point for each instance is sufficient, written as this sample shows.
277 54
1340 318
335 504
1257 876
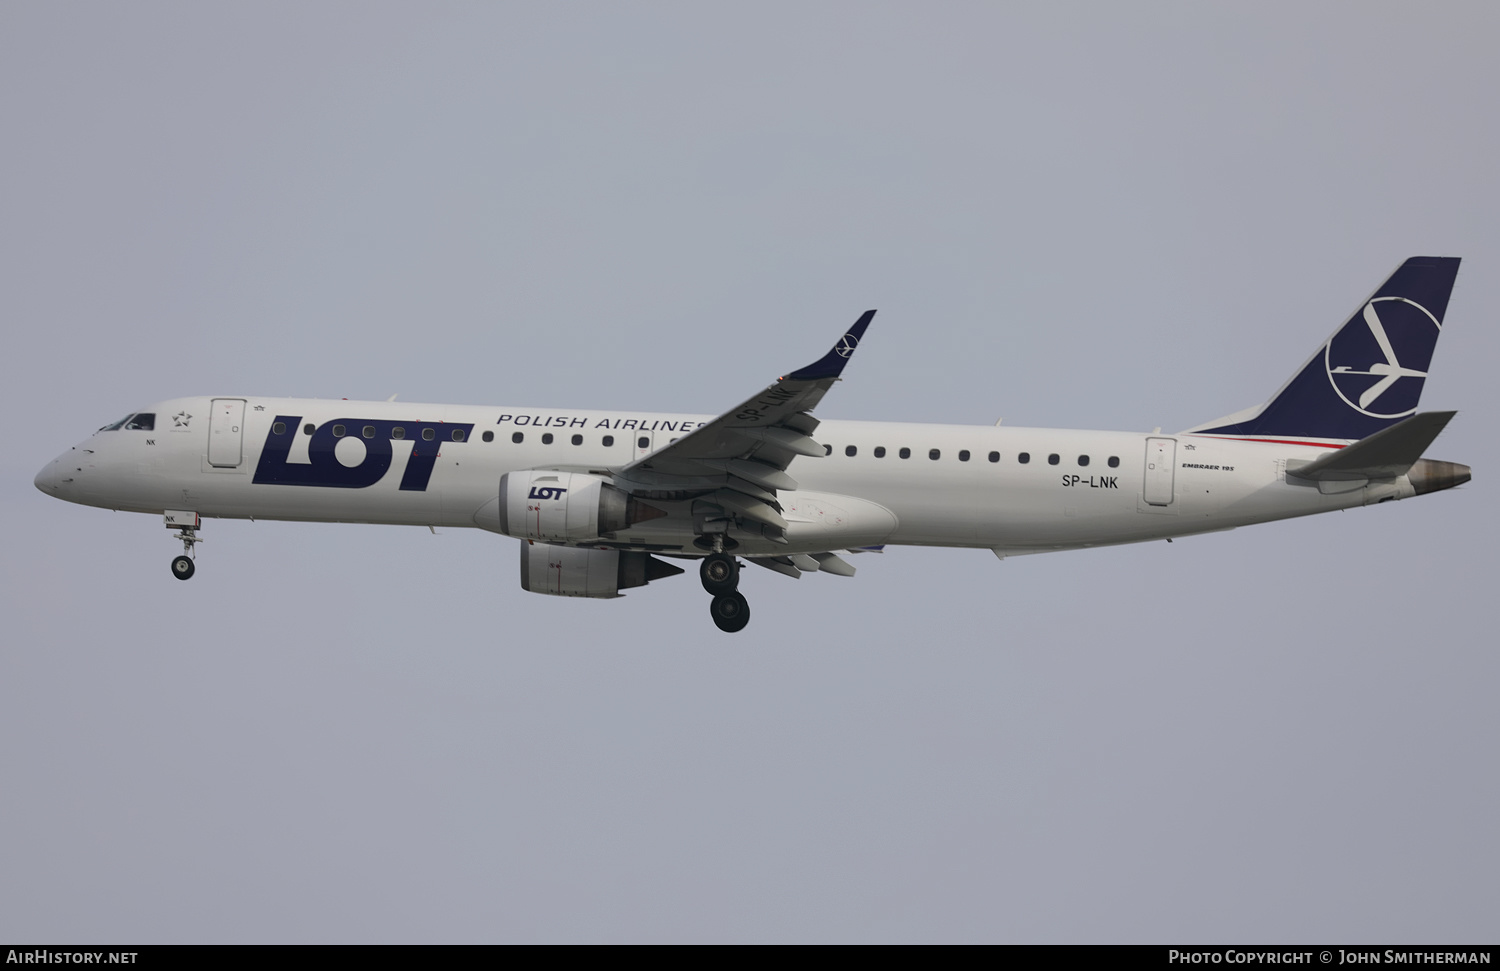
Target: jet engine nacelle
566 571
565 507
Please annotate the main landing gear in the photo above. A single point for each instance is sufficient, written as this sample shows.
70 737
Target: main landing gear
720 574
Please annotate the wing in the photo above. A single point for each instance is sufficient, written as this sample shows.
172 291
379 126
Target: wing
738 462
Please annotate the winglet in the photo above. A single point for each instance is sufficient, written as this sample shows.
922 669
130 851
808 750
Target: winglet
831 365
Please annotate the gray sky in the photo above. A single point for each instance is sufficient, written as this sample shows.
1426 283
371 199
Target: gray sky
1077 216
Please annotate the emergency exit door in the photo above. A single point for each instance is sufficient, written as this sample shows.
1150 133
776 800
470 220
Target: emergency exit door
225 436
1161 466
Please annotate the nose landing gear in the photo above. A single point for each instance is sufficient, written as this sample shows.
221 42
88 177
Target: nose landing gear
720 574
186 524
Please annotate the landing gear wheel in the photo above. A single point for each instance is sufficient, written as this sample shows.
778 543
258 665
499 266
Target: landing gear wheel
182 568
720 574
730 612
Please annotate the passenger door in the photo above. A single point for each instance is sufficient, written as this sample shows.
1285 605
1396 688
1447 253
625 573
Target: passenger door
225 433
1161 465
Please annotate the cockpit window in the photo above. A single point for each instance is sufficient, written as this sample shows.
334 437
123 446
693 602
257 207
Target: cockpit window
144 421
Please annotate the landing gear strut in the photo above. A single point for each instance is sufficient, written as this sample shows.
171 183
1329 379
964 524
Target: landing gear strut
720 574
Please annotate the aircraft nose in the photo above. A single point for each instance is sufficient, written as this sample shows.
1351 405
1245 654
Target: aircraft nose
46 480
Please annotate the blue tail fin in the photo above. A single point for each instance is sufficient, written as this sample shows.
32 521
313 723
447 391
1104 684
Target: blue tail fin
1369 375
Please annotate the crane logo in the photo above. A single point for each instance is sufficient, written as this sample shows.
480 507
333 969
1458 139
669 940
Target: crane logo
1379 369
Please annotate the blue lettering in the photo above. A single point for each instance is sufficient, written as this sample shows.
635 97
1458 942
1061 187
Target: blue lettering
324 469
546 492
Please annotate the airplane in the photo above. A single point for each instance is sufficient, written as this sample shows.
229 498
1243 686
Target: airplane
603 501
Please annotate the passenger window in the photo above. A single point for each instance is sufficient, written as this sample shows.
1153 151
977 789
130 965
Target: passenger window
428 434
994 456
369 431
905 453
546 438
963 456
1083 460
608 440
398 433
880 451
518 437
827 449
851 451
643 442
1053 459
279 428
577 439
458 434
307 429
488 436
934 454
1024 457
1114 461
338 431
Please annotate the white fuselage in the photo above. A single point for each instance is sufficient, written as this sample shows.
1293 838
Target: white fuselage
1076 488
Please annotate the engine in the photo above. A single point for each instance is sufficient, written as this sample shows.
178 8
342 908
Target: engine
566 571
566 507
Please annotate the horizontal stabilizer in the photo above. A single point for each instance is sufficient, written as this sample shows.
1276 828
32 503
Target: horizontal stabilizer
1384 455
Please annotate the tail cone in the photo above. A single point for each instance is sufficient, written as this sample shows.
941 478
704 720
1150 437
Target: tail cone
1430 476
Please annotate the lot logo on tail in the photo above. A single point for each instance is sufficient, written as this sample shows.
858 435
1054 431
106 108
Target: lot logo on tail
1379 369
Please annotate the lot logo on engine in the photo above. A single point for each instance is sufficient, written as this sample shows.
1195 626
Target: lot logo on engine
546 492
